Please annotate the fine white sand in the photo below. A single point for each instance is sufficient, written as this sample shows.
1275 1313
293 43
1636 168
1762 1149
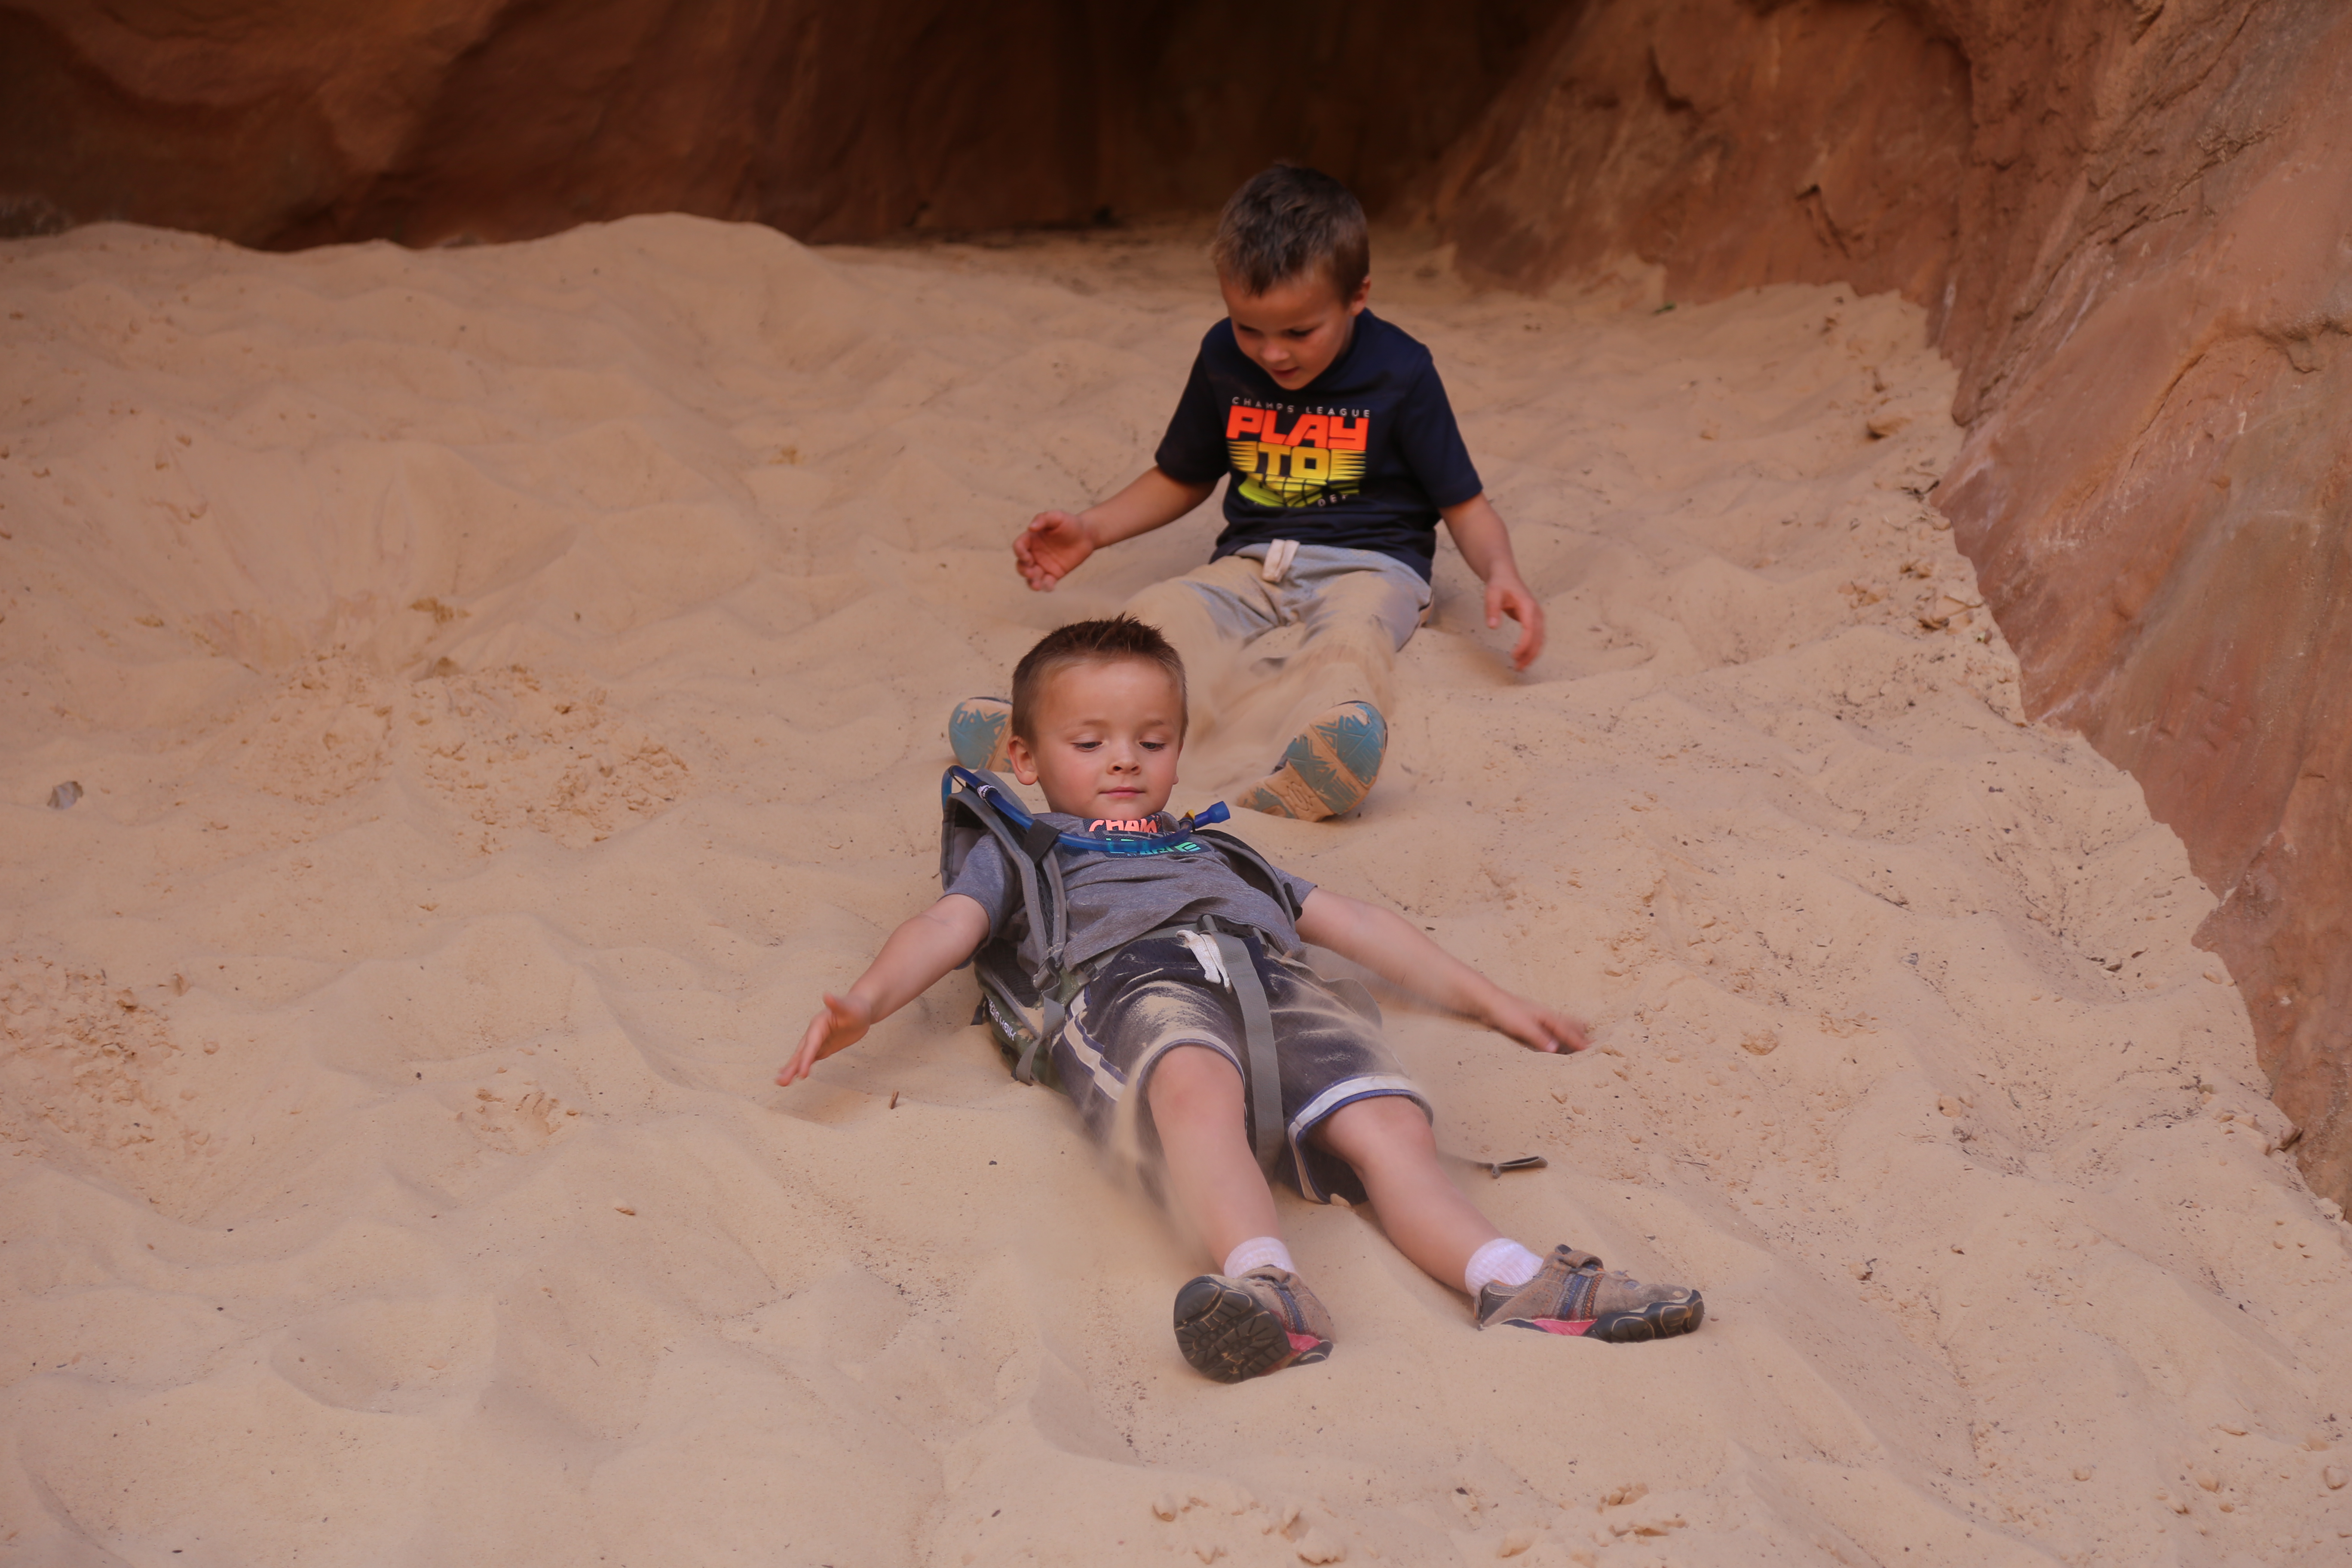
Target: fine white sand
507 684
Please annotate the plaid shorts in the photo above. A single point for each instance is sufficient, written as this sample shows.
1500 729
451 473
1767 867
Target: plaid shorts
1154 996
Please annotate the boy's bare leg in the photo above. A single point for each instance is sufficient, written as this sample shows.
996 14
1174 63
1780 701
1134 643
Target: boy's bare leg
1388 1143
1261 1317
1213 1178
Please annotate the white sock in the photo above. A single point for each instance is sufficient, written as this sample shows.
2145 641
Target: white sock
1501 1261
1258 1252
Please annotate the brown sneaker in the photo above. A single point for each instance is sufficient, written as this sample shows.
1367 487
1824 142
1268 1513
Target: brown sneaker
1572 1294
1266 1319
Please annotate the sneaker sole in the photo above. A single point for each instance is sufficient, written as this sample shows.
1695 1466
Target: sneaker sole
1658 1321
1327 769
1227 1337
976 735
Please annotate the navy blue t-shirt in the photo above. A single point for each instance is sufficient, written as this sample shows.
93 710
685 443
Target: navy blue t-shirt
1363 456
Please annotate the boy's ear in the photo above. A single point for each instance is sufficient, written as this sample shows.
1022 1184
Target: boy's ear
1362 297
1022 760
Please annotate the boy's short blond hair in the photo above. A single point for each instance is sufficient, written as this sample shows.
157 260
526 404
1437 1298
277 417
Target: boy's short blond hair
1288 222
1089 642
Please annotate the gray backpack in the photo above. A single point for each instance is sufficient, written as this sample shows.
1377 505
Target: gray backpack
1025 985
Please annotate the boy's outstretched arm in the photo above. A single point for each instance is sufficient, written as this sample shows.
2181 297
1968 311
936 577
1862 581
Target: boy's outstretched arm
1392 948
917 955
1054 542
1478 532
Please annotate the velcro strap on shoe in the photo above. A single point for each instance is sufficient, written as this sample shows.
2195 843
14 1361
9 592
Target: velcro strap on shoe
1583 1283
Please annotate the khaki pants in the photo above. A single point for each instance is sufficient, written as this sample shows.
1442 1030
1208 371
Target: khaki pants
1355 609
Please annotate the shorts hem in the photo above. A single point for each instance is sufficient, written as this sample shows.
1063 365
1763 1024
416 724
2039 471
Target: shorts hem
1335 1098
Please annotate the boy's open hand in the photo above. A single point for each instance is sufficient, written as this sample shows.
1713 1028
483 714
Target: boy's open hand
842 1024
1507 595
1536 1027
1051 548
1485 545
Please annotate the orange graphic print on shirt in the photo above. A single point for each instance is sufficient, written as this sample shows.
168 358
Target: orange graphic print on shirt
1321 457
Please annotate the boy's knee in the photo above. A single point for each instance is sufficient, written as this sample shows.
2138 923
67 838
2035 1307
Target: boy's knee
1387 1124
1219 601
1161 601
1377 622
1191 1080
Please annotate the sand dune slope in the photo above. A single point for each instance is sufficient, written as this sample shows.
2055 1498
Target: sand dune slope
507 684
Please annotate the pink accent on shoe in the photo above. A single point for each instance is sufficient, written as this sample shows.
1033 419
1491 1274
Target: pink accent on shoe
1562 1325
1301 1343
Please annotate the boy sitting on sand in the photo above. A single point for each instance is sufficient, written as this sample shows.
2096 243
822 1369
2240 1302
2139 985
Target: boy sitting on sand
1154 1050
1342 452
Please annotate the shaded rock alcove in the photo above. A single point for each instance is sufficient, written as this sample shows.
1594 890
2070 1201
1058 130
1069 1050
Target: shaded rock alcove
2123 216
282 125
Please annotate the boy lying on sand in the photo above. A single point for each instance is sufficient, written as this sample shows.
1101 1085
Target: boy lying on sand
1097 723
1342 453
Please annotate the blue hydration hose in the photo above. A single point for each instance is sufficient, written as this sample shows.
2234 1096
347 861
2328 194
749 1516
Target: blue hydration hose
1180 840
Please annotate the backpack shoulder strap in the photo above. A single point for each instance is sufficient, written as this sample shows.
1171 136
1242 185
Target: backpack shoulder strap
967 813
1251 868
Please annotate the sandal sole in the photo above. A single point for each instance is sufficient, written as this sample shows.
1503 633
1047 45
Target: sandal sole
1228 1337
978 731
1330 768
1658 1321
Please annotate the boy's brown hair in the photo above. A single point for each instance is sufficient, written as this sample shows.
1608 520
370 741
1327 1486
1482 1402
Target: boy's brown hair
1088 642
1288 222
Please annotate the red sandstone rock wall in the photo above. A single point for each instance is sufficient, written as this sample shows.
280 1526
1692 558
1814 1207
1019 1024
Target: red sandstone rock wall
283 123
1816 142
2154 491
2128 220
423 120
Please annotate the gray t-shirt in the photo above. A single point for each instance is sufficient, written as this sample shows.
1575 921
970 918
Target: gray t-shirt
1114 899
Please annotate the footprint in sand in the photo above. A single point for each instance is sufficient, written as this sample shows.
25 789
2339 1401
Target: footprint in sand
323 733
516 1119
85 1066
1214 1519
505 747
512 750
